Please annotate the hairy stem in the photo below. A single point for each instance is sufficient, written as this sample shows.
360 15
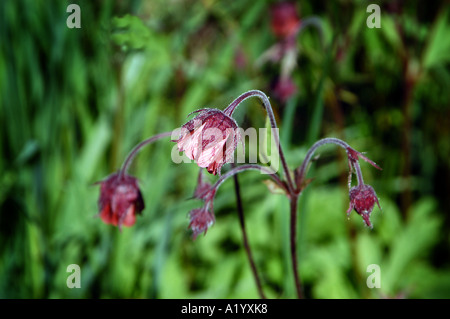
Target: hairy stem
248 167
231 108
359 175
315 22
126 164
313 148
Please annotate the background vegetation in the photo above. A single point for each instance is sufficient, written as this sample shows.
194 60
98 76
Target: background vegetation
75 101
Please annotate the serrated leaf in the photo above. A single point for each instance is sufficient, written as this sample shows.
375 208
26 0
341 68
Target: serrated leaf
411 242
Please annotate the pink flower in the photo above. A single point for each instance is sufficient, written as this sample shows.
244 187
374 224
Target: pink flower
120 200
201 220
362 200
240 59
210 139
284 89
285 21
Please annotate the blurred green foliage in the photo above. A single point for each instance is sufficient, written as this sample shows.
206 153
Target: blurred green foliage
75 101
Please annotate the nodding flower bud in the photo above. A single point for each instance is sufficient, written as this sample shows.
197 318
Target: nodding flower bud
362 200
204 188
210 139
200 220
284 89
284 19
120 200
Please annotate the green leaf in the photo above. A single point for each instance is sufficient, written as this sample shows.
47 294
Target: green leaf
131 32
411 243
438 47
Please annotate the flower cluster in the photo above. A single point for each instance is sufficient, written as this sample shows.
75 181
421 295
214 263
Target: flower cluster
210 139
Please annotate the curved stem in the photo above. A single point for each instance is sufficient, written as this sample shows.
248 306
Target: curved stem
240 210
233 173
126 164
309 155
359 175
209 195
247 167
315 22
231 108
293 198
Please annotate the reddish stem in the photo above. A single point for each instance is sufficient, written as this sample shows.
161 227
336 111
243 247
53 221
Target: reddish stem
248 250
263 97
293 236
126 164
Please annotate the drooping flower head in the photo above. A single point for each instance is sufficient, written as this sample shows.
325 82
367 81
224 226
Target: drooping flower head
362 200
284 89
284 19
120 200
200 220
362 196
209 139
